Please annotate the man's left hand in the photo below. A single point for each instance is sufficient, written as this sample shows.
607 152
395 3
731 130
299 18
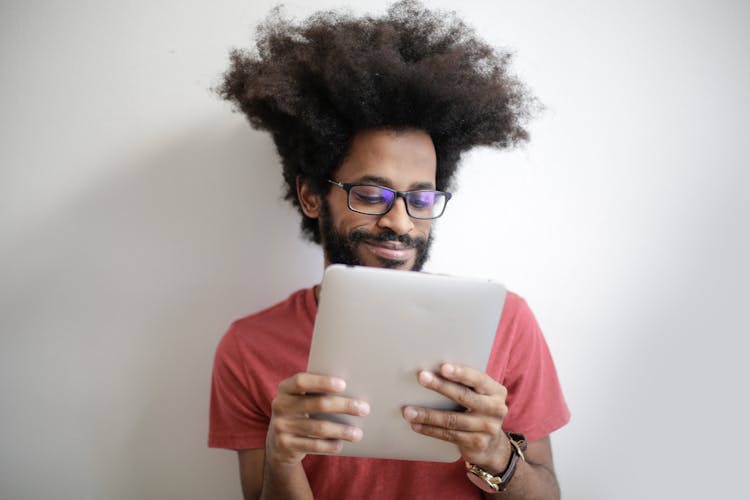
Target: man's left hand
478 431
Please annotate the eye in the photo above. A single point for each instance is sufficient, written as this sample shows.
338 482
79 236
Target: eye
371 195
422 199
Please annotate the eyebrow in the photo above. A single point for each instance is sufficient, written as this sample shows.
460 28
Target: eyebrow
382 181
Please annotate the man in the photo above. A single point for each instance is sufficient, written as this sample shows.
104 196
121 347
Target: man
370 117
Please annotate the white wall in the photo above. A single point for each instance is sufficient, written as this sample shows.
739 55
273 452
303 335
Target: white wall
138 217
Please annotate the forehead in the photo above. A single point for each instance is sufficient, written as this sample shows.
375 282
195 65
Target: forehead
400 159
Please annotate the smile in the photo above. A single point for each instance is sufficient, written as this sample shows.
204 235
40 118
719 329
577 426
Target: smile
390 250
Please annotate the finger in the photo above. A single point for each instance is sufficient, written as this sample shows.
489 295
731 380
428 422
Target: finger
298 405
465 440
303 383
318 428
461 394
301 444
465 395
476 379
327 403
451 420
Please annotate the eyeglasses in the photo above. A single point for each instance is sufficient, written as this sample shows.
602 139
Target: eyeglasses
378 200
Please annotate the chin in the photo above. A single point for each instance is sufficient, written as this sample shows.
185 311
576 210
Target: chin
373 261
396 264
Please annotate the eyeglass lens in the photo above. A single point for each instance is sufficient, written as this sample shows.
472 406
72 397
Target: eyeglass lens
376 200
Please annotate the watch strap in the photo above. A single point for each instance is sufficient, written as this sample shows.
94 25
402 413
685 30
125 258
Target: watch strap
499 482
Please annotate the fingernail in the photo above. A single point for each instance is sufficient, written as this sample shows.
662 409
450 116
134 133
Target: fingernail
410 413
426 377
356 434
448 369
363 408
338 384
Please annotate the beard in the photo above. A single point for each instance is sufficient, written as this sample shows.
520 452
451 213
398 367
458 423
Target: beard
342 249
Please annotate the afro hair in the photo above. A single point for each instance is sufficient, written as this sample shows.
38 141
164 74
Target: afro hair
314 84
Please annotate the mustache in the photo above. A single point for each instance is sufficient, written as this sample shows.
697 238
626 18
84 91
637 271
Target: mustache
386 235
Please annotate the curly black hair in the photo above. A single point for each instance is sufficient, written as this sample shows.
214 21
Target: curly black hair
314 84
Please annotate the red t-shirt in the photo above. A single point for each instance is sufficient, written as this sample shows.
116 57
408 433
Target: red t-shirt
261 350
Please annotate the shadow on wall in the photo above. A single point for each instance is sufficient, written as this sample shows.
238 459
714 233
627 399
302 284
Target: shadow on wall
119 298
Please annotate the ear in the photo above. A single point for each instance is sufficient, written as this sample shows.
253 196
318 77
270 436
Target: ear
309 200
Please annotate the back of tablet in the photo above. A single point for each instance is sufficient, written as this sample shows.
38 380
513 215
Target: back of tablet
376 328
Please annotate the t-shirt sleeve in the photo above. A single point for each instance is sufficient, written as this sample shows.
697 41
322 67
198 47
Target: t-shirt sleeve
536 406
235 420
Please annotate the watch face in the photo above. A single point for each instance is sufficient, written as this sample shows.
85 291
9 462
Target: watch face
481 483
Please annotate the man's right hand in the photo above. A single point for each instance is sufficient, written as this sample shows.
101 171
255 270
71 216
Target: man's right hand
292 433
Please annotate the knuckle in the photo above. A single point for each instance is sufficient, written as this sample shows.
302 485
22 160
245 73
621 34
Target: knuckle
322 404
496 407
477 441
276 426
451 421
447 435
430 418
503 411
298 379
325 446
464 395
317 427
284 441
333 404
277 405
492 427
318 404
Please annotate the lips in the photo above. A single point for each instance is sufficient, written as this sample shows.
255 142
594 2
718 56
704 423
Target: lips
390 250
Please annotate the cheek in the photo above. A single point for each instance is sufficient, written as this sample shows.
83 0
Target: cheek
423 228
345 226
352 220
349 221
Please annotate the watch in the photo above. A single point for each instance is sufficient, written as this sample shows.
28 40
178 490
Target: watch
493 483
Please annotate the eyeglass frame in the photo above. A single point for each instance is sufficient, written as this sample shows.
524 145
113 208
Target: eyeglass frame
347 186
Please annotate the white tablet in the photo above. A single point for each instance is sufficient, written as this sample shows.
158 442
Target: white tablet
376 328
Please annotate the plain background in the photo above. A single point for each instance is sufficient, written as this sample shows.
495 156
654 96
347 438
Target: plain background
139 216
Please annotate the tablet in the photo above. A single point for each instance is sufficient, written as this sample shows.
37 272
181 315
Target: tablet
376 328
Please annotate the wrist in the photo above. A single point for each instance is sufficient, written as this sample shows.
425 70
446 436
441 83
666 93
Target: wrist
279 461
493 480
500 459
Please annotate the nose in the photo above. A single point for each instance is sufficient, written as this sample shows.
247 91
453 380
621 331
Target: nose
397 219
